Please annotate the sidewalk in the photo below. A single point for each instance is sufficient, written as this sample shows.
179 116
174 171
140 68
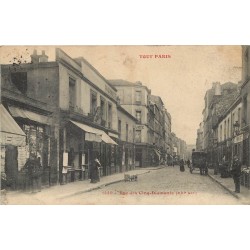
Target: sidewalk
55 194
228 184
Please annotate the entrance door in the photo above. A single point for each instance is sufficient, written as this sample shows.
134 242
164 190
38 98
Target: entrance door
11 167
138 157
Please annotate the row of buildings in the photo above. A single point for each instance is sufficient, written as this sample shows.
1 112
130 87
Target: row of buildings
224 131
66 113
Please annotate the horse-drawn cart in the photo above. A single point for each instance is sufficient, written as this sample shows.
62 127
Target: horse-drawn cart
199 161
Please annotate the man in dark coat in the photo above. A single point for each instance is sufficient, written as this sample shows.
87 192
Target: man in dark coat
34 171
182 168
236 173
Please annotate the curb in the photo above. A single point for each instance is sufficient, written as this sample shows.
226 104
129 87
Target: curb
230 191
96 188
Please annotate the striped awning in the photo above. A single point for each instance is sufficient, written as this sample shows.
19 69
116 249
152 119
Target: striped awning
94 134
11 133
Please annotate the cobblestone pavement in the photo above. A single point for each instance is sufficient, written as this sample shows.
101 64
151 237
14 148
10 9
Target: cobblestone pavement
164 186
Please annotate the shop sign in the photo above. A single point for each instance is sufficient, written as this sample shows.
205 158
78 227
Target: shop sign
238 138
139 127
65 159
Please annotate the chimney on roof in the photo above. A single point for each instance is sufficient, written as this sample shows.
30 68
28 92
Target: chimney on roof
35 58
43 57
217 88
138 82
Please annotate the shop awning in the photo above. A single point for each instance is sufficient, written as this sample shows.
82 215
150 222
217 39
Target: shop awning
26 114
94 134
107 139
113 135
11 133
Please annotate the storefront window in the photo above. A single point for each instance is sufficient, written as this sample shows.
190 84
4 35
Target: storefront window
36 142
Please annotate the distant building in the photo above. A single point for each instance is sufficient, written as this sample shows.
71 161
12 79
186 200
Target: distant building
168 138
245 97
126 139
134 98
217 100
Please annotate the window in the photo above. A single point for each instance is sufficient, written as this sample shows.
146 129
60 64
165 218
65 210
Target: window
93 102
119 127
138 96
138 116
244 118
220 132
103 111
72 93
109 115
126 132
239 115
138 136
20 81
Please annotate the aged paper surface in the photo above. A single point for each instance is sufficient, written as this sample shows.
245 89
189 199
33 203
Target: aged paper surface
138 109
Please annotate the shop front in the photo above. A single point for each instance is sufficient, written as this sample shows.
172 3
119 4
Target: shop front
237 146
12 141
38 143
246 150
80 144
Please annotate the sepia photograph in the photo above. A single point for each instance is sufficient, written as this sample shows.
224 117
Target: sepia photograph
125 125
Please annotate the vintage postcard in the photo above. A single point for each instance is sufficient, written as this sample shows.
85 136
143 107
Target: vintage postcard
126 125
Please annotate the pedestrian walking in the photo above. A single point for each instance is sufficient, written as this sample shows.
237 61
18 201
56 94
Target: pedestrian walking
236 173
188 163
203 167
182 168
95 171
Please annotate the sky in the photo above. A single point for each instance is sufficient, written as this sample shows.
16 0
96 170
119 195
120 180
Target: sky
180 78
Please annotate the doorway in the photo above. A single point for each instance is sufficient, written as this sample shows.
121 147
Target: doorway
11 166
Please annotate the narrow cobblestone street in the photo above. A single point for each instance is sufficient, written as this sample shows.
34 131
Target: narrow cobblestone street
164 186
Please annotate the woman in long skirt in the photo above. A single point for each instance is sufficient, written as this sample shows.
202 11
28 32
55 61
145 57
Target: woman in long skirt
95 175
182 169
